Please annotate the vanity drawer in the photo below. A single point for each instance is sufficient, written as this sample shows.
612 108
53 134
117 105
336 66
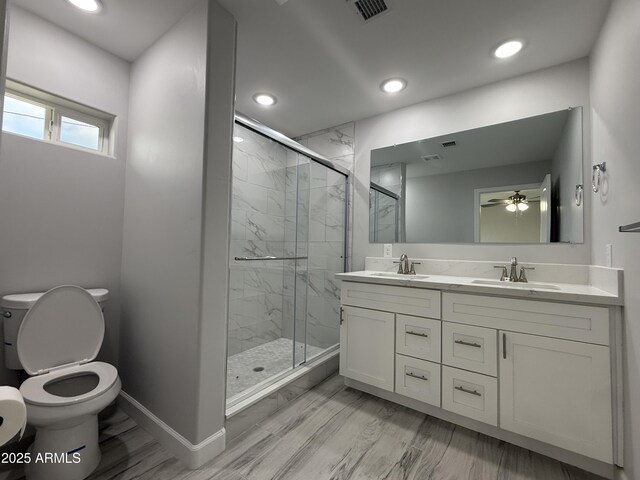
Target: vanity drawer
471 348
418 379
470 394
418 337
410 301
559 320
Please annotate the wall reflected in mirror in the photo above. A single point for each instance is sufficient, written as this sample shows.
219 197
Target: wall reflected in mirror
513 182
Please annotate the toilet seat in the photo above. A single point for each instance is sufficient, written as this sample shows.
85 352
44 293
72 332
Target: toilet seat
64 327
33 391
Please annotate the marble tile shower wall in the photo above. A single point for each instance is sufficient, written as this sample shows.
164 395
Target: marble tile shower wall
388 222
326 232
286 205
257 229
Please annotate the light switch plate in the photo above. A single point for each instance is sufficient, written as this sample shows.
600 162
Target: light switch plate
388 250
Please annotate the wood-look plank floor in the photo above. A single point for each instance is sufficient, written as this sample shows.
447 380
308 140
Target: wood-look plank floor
334 433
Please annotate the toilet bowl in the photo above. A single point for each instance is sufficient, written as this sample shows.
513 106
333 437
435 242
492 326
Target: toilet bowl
57 341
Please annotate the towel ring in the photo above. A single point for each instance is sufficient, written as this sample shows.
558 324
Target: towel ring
596 175
579 194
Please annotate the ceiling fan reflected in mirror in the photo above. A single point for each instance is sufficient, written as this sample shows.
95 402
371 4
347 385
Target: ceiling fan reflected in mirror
514 203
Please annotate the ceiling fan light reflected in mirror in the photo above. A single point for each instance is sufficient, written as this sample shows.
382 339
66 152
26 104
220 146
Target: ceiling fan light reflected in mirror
512 207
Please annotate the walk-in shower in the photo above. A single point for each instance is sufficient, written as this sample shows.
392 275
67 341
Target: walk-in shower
288 239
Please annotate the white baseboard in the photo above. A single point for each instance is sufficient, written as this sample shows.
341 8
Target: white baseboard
621 475
193 456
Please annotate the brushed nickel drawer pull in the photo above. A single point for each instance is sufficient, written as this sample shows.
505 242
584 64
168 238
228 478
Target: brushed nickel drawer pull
468 344
419 377
417 334
471 392
504 346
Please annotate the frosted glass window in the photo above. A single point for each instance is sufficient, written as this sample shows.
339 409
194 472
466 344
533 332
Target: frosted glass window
24 118
79 133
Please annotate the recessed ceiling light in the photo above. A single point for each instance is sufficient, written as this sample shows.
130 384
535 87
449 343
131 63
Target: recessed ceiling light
508 49
264 99
91 6
238 139
393 85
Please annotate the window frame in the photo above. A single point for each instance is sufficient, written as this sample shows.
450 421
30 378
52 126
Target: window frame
57 107
46 133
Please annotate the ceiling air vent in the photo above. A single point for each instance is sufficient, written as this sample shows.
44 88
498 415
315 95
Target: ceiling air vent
368 9
451 143
429 158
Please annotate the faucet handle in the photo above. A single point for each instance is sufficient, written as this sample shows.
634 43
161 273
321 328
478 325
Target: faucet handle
505 274
399 267
523 275
412 271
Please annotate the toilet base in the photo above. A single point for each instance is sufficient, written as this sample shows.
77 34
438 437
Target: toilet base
65 453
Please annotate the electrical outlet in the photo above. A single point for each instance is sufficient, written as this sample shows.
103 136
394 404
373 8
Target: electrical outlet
608 255
388 250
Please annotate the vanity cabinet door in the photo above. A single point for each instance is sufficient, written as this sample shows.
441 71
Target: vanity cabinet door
367 346
558 392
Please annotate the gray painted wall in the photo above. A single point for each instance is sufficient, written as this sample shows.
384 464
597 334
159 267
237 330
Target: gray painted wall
615 76
221 56
4 42
441 207
62 208
164 342
566 175
539 92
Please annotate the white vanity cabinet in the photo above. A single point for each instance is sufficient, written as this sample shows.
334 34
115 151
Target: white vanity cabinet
554 367
367 355
393 334
557 391
541 370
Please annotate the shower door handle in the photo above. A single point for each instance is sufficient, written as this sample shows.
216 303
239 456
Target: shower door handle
267 257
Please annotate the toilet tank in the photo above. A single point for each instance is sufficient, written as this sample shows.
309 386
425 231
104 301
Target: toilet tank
13 309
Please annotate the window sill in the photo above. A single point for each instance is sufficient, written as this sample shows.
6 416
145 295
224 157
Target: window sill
62 145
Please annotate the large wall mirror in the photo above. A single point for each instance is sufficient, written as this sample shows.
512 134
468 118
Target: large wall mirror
514 182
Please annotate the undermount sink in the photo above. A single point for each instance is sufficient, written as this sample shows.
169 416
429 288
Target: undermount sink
524 285
404 276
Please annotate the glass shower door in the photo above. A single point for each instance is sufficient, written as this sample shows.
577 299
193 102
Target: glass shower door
263 263
327 230
287 242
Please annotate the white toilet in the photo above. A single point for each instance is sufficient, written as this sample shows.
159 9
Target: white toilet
56 341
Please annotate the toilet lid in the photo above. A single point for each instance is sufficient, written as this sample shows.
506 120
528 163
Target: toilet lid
65 326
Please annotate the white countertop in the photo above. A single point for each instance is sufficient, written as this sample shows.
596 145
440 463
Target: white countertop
566 292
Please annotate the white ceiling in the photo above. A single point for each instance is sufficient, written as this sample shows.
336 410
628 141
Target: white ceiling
125 28
325 65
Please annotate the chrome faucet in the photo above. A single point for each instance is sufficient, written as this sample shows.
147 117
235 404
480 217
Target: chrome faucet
512 275
403 268
406 267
